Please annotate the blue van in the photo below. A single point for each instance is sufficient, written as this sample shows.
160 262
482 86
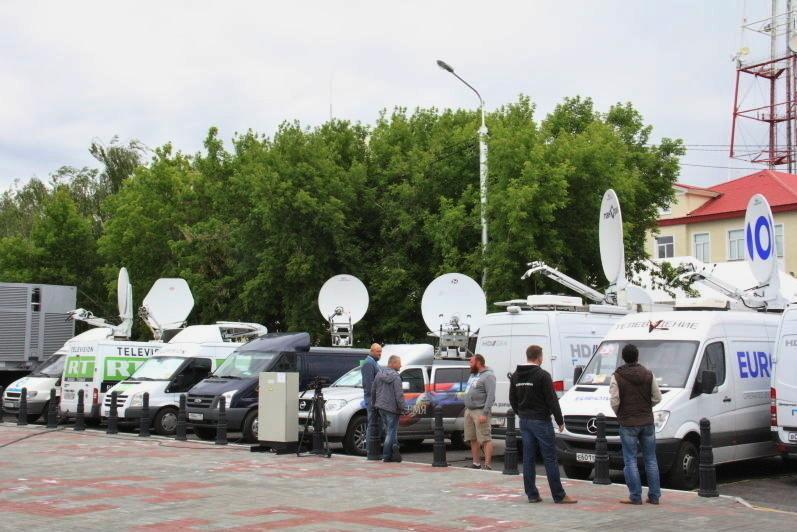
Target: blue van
236 379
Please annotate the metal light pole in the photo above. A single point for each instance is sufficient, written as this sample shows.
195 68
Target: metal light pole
482 162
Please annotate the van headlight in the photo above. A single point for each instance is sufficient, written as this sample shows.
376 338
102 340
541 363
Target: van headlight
227 398
660 419
32 394
137 400
333 405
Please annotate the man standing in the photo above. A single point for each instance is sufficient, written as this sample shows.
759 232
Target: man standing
368 371
534 400
387 397
633 392
479 400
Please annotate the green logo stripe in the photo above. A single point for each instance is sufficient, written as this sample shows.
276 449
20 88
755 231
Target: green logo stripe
79 367
120 368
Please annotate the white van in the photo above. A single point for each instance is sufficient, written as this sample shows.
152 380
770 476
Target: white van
685 350
783 395
45 377
189 357
567 331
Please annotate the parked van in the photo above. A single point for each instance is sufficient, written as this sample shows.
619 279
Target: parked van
783 395
708 363
238 377
426 382
44 377
188 358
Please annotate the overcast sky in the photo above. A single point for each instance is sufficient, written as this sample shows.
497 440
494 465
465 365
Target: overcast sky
71 72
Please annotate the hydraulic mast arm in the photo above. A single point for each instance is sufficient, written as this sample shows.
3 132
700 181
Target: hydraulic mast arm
721 286
565 280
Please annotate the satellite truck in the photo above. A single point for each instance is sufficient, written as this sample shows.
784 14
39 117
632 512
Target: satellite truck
47 374
709 361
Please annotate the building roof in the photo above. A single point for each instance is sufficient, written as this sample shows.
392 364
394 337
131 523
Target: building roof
732 197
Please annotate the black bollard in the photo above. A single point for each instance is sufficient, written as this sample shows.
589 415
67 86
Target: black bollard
601 453
439 447
143 427
707 473
80 417
510 454
374 437
221 424
22 413
113 416
52 411
179 431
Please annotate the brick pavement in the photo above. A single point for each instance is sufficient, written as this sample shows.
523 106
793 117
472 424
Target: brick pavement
90 481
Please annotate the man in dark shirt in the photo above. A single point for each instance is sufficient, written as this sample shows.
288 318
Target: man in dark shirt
534 400
368 371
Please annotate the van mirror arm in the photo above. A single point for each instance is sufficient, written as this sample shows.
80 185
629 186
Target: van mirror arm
567 281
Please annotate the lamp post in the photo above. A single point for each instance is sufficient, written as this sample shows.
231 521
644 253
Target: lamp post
482 161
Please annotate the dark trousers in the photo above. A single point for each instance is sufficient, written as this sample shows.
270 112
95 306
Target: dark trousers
540 434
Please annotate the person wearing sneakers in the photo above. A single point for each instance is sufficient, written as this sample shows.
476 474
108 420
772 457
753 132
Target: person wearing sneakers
534 400
633 392
387 398
479 399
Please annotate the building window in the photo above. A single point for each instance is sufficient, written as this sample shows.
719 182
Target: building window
701 244
665 247
736 244
779 240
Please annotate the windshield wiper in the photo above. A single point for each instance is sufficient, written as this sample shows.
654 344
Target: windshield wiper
227 377
140 379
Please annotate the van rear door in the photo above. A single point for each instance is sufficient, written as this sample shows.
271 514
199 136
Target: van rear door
785 376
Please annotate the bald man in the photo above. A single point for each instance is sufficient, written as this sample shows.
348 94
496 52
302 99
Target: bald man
368 370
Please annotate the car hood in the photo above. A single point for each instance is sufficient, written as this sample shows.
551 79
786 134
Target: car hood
32 383
217 386
130 387
589 403
336 392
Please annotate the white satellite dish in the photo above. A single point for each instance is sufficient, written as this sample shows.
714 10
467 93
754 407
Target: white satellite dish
610 235
453 300
759 239
124 298
343 301
167 305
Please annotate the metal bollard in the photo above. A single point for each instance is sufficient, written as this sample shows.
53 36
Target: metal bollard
22 413
52 411
80 417
510 454
439 447
601 453
374 436
143 427
221 423
113 415
179 431
707 473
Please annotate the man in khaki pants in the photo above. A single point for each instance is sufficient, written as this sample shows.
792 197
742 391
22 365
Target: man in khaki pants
479 399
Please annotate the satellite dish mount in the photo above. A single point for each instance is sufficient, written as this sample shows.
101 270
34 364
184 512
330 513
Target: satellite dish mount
453 307
124 296
343 301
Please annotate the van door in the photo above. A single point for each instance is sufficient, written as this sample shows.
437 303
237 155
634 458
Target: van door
448 385
524 334
785 377
752 363
191 374
414 385
718 406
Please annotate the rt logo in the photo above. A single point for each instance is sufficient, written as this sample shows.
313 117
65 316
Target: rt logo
759 239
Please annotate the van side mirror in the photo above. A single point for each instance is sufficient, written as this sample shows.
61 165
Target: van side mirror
577 372
708 381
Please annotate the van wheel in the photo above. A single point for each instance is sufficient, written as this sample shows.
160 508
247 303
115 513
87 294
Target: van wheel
355 440
205 433
250 427
458 440
577 472
684 472
165 422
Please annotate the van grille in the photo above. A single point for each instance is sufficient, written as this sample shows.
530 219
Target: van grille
199 401
120 400
578 425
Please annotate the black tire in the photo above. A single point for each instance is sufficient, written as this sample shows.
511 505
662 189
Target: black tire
458 441
249 430
354 442
165 422
205 433
685 470
577 472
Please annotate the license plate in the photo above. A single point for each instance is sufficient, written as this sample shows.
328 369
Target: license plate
14 404
584 457
69 394
193 416
792 436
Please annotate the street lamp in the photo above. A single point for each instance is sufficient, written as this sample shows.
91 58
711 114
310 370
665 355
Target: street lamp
482 162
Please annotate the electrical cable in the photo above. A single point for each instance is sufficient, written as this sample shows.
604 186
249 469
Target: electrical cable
46 431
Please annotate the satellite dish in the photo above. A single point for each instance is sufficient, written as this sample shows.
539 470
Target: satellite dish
610 234
124 295
636 295
167 305
759 240
343 297
453 299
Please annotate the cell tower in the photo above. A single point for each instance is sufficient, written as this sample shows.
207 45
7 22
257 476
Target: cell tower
764 112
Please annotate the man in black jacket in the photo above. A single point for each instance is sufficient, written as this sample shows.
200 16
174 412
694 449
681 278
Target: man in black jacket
534 400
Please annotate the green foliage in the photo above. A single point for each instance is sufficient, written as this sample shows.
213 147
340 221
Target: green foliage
257 227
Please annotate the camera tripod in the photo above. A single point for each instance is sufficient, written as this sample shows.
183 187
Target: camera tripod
316 415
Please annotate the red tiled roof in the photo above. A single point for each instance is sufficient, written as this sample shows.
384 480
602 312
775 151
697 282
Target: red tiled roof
779 188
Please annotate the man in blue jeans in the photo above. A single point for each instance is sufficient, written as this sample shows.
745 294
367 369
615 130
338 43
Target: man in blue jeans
534 400
633 392
368 371
387 398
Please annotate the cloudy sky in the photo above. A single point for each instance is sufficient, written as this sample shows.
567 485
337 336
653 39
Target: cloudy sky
71 72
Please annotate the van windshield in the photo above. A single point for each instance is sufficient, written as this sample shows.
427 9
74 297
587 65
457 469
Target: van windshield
352 379
245 364
52 367
157 369
669 360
